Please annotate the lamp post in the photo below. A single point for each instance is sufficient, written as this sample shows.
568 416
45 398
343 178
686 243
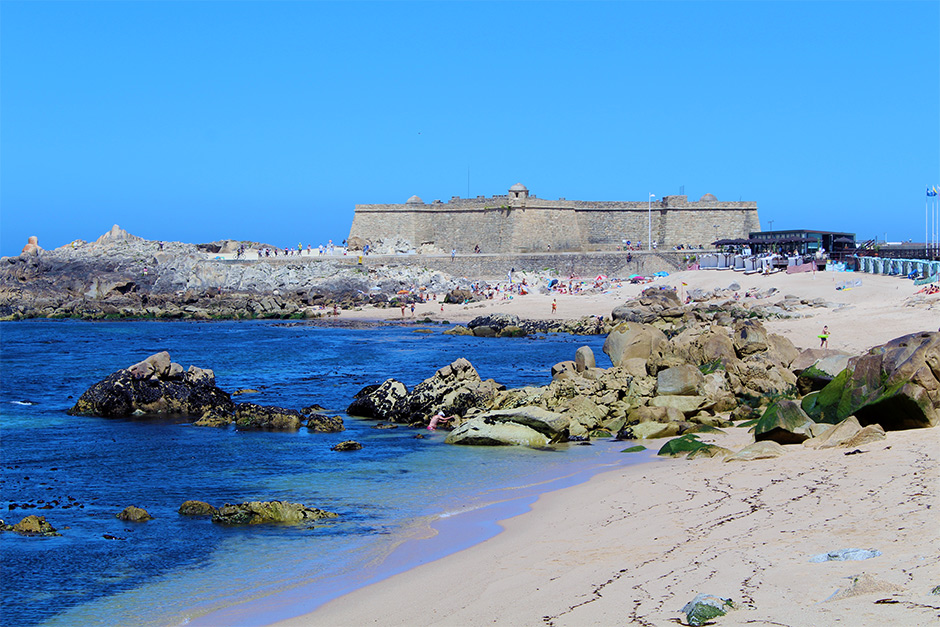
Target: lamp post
649 217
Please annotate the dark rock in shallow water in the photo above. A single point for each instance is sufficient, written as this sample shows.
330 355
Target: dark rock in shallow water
348 445
134 514
154 386
322 423
197 508
251 416
262 512
32 525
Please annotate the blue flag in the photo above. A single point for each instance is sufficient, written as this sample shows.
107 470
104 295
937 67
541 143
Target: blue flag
931 192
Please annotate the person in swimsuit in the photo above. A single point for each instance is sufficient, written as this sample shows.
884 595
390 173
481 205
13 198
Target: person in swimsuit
824 337
437 419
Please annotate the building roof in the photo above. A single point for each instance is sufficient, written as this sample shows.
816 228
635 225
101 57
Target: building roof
415 200
708 197
518 187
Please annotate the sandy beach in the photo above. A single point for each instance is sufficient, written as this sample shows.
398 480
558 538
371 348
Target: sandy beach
870 314
633 545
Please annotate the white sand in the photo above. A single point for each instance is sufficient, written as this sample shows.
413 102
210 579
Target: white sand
632 546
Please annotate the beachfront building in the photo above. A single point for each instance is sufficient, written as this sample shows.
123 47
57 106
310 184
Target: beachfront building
804 242
520 222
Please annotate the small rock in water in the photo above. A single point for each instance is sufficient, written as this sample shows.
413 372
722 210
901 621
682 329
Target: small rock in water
845 555
134 514
348 445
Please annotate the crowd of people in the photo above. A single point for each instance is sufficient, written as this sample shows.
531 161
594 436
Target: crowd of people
244 251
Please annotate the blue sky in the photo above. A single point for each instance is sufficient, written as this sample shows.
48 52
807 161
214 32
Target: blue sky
270 121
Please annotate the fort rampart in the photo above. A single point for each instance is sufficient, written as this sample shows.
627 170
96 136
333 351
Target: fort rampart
519 222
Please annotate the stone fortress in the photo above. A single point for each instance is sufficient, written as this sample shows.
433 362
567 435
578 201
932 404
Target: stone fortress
519 222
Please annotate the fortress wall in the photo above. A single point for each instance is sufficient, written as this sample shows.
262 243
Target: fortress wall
496 267
605 230
528 225
536 230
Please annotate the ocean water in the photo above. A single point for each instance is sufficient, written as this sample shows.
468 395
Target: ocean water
176 569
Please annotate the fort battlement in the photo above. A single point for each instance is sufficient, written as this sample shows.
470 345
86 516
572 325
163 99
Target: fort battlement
520 222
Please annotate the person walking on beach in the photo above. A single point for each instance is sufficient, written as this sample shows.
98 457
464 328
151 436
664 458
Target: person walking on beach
453 253
412 310
824 337
554 306
403 305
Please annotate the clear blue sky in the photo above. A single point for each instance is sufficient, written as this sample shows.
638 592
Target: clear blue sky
270 121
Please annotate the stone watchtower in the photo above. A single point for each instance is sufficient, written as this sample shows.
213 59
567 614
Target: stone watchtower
518 192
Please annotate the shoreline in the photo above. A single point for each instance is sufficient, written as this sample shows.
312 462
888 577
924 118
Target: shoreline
424 541
637 543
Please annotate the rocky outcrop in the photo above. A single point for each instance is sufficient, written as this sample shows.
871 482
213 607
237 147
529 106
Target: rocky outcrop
269 512
123 276
452 390
653 303
378 401
154 386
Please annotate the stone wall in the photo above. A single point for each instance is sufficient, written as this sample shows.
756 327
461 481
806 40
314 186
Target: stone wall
495 267
500 224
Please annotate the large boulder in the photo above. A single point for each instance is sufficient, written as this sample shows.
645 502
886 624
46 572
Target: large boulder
630 340
688 405
378 401
251 416
750 336
269 512
487 432
784 422
154 386
584 359
820 372
896 385
684 380
767 449
542 420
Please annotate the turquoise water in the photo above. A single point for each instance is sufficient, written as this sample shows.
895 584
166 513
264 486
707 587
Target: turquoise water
175 569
